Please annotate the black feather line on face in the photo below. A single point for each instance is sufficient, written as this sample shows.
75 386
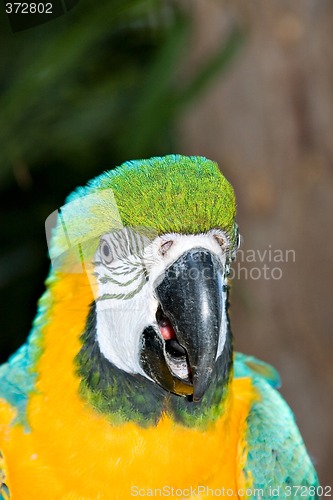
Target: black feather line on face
127 397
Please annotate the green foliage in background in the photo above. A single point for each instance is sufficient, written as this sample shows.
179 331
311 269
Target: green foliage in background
78 95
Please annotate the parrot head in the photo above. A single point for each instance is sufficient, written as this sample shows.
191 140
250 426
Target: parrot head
156 238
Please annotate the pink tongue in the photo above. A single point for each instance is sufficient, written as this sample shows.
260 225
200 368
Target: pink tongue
167 331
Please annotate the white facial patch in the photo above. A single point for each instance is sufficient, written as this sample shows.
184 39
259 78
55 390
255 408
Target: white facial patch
127 264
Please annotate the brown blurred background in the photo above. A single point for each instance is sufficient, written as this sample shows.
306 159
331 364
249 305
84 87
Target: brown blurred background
248 83
268 122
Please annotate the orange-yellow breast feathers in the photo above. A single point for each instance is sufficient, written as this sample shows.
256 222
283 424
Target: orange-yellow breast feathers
72 451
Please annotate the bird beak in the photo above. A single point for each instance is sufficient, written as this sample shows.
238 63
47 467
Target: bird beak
191 306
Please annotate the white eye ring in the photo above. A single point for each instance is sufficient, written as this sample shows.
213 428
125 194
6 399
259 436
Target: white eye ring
106 253
165 246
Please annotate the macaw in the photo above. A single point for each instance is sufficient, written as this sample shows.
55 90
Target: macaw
128 385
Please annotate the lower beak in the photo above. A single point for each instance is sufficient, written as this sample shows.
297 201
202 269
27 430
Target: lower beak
190 296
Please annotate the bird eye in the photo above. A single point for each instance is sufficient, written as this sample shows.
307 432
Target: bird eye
221 240
165 246
106 252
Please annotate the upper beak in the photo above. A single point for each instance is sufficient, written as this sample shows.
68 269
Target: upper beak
190 295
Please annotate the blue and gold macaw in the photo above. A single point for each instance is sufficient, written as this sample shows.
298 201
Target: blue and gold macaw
128 386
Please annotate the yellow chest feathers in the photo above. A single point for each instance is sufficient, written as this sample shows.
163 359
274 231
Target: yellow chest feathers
75 453
72 452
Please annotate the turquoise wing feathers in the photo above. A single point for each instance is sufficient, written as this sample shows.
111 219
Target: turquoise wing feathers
277 460
17 376
249 366
17 381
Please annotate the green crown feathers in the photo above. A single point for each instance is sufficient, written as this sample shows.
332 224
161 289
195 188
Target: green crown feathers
171 194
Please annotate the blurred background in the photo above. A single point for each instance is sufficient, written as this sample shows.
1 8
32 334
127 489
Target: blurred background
247 84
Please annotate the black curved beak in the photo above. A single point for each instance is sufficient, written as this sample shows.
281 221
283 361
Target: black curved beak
190 296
